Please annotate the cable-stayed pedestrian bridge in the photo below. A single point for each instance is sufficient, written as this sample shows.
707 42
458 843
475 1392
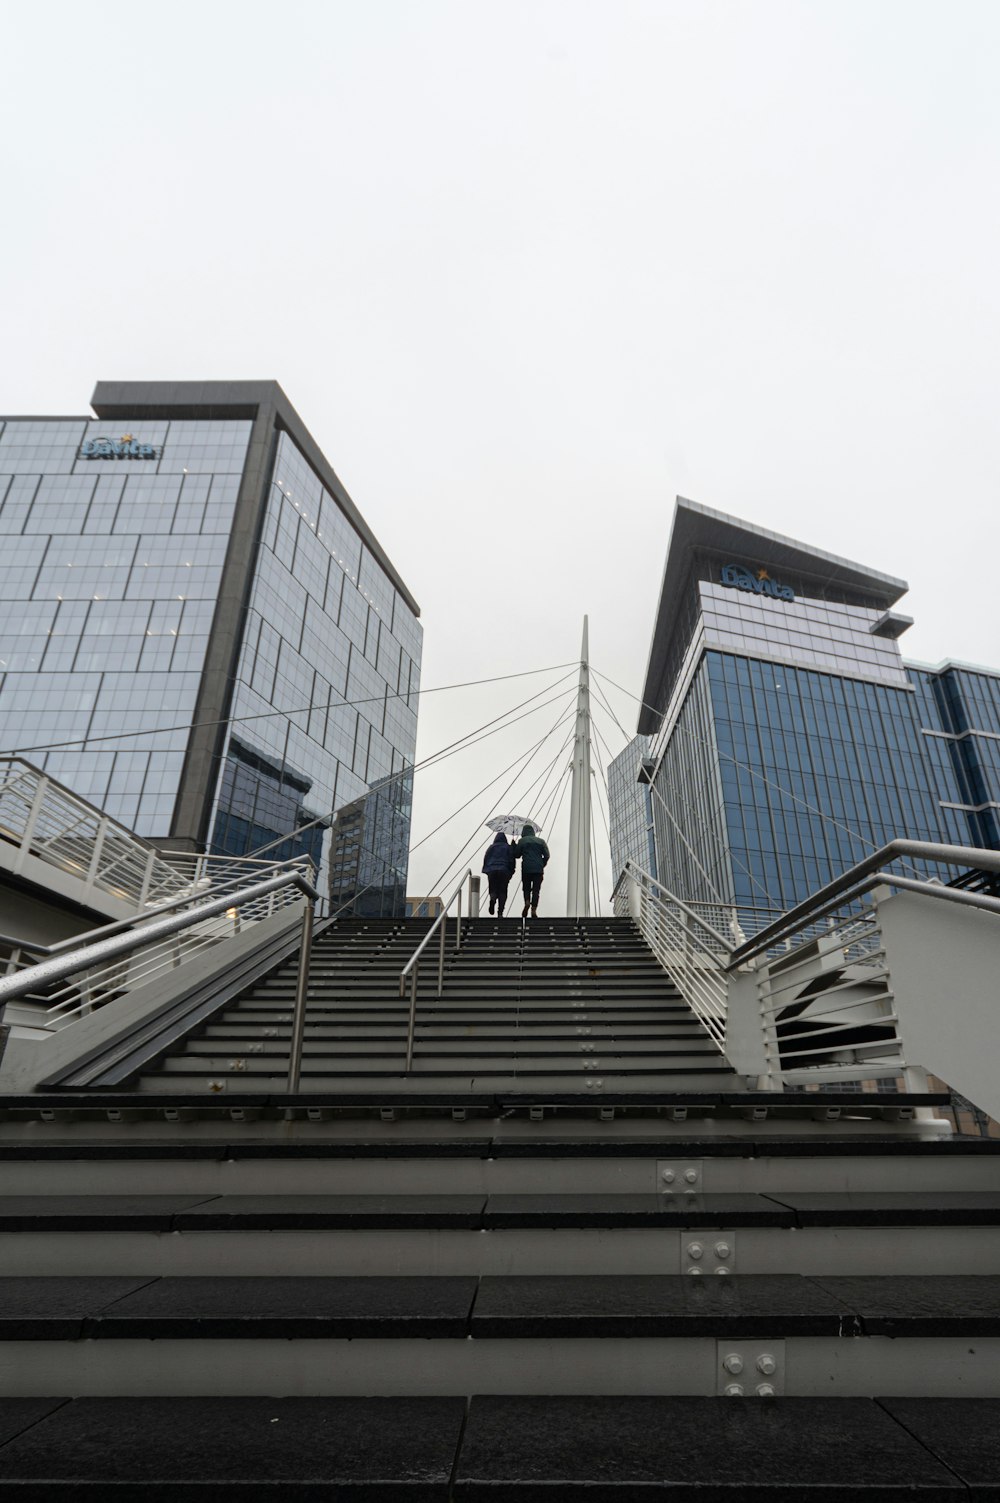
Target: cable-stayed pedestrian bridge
622 1201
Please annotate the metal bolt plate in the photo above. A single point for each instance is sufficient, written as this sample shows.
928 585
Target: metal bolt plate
679 1176
756 1367
706 1250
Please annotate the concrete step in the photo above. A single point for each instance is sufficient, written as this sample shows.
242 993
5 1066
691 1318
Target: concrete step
269 1235
307 1158
665 1073
897 1336
363 1028
514 1046
676 1086
444 1008
515 1445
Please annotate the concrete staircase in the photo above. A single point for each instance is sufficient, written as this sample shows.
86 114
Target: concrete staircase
553 1006
492 1278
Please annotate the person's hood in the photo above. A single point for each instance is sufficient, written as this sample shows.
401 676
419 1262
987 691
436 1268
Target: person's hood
528 830
500 838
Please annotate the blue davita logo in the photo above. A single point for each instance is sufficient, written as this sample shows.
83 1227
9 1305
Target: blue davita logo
125 447
738 577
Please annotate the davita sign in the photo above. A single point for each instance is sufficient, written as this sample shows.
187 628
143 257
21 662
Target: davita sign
125 447
755 582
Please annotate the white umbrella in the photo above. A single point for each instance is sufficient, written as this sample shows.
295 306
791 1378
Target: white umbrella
512 824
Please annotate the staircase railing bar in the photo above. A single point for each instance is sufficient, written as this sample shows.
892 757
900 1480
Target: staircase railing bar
698 971
301 998
57 826
60 967
778 1005
790 951
412 966
889 1017
300 863
786 986
946 894
862 877
631 869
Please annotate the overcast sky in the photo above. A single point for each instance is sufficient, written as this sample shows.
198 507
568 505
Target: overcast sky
528 271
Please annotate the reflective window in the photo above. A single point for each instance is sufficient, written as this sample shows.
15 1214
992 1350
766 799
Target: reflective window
109 573
325 644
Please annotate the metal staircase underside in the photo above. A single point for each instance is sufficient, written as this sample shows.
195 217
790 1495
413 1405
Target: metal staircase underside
570 1253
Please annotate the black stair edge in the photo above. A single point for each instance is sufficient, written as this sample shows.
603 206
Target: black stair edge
474 1212
97 1098
499 1307
478 1212
489 1147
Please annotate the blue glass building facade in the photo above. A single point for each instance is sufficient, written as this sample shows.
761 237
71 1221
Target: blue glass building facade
191 605
630 807
789 739
960 718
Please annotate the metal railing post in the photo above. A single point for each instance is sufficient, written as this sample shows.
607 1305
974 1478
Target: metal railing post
301 995
413 1016
28 833
147 875
413 964
98 852
473 896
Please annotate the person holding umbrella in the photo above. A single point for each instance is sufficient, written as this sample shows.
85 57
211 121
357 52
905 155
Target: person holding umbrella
499 866
533 854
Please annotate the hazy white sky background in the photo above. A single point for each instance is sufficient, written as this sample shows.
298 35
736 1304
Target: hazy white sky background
530 270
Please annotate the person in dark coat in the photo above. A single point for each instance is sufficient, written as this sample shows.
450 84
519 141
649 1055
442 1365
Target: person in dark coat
499 865
534 855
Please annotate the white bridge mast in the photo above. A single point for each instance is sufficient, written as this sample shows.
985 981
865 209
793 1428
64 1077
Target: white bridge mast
578 877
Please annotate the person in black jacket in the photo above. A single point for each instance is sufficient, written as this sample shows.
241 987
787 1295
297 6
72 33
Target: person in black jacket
499 865
534 854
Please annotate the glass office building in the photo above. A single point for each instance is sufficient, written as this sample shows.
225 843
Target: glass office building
199 632
788 737
630 807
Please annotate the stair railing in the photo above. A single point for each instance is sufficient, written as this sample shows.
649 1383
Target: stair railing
76 977
823 971
44 821
810 998
690 948
411 969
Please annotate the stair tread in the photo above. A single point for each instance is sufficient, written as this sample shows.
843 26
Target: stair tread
389 1448
499 1306
712 1448
531 1447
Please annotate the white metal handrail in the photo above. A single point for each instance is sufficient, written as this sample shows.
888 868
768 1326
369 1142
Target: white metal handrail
412 967
820 973
827 1004
97 973
693 952
47 821
852 884
828 1010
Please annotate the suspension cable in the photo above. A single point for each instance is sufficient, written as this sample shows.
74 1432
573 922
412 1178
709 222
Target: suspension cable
343 704
699 821
472 738
457 860
669 812
521 757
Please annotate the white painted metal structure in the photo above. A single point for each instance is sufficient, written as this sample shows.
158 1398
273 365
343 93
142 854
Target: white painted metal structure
578 865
